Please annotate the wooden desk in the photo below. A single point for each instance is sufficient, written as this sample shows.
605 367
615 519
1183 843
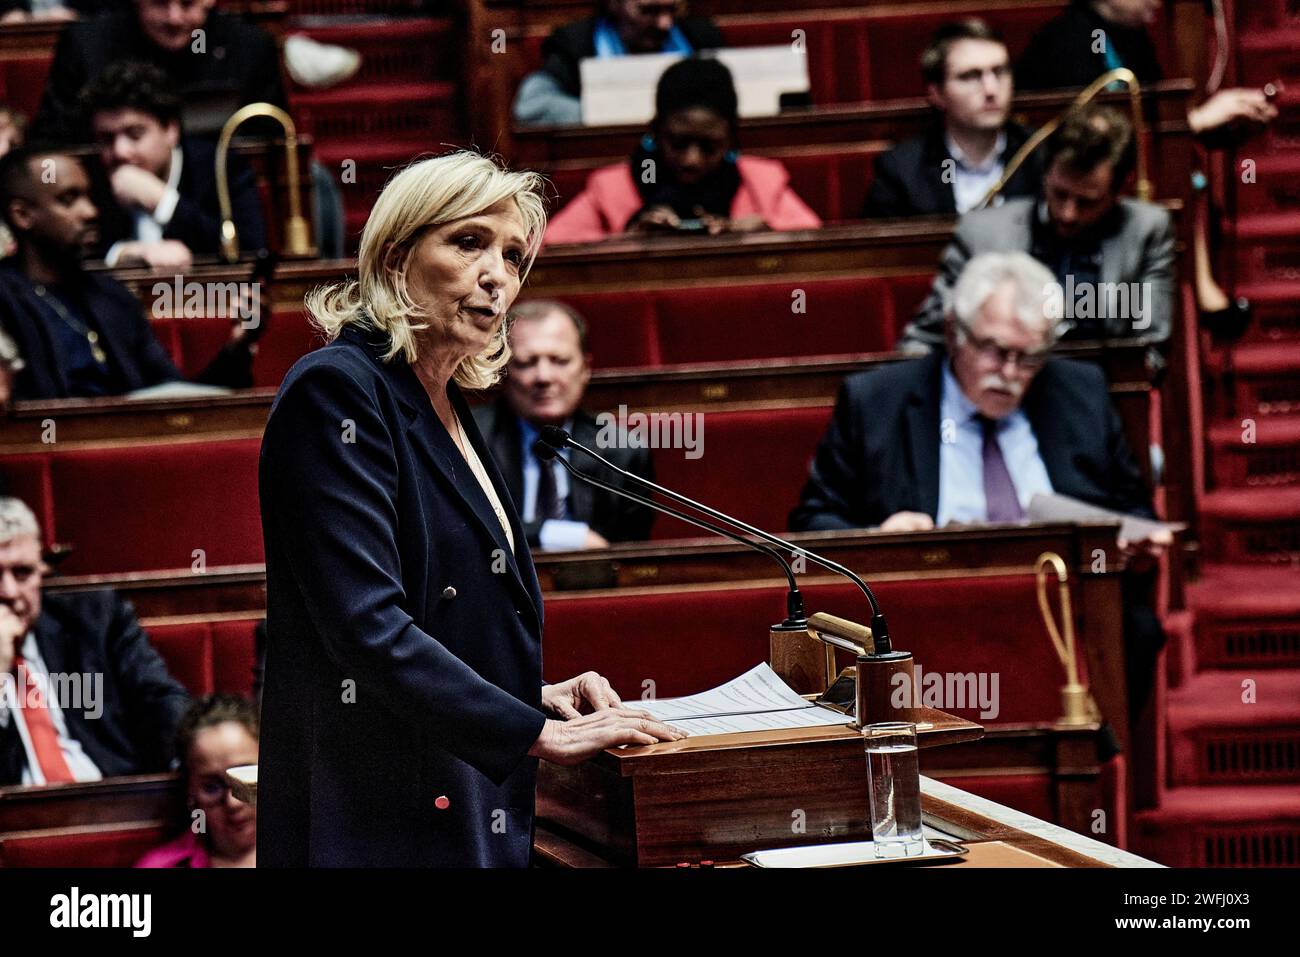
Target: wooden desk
141 797
979 823
731 386
869 126
493 75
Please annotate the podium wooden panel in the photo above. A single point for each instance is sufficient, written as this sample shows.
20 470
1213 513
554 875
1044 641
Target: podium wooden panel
719 796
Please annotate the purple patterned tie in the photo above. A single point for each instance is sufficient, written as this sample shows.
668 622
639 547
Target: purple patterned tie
999 491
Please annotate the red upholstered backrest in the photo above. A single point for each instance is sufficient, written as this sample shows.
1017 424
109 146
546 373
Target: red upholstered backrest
964 626
660 638
193 343
187 650
152 506
894 43
833 181
28 477
688 640
906 294
621 328
234 656
22 81
753 465
773 320
567 182
105 845
208 656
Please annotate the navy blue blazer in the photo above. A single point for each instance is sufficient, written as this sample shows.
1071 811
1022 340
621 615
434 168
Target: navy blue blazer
880 454
404 660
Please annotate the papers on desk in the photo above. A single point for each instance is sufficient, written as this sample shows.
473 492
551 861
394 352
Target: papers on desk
756 701
1062 508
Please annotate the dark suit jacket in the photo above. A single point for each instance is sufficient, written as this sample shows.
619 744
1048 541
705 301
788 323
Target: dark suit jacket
196 221
881 452
134 352
908 179
1061 55
567 46
241 65
1137 247
404 655
96 632
616 518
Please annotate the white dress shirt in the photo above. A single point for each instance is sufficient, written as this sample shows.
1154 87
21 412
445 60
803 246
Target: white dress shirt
555 535
972 183
961 457
79 763
149 226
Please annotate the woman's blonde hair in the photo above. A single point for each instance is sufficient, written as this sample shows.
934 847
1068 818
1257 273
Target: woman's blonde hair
429 192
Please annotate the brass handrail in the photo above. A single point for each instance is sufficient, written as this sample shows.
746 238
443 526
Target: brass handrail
1076 703
1122 75
296 241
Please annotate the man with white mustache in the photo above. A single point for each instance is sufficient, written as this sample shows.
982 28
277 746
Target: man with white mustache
969 435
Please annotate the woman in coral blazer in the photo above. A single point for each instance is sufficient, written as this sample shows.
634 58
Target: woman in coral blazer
685 175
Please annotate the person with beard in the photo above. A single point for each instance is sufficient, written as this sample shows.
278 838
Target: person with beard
79 333
552 95
967 435
686 174
1090 238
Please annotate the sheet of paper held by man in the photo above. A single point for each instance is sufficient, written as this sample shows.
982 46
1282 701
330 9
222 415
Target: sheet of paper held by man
756 701
1062 508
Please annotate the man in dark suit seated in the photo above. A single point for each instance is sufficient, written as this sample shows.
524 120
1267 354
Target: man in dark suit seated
970 434
162 209
552 95
1113 256
951 167
548 373
80 333
215 61
85 696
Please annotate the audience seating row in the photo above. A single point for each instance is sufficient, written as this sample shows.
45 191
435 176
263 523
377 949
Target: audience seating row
194 504
789 318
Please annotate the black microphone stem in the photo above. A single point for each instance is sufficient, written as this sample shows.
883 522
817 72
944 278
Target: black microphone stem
879 629
794 598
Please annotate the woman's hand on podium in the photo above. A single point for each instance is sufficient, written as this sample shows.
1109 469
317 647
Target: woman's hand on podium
587 692
577 739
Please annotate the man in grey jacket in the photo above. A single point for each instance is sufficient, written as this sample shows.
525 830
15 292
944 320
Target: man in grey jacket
1113 257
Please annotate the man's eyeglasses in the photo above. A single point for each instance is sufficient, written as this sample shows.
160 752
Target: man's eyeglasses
990 351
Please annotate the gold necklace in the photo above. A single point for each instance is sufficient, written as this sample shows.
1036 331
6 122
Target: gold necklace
96 350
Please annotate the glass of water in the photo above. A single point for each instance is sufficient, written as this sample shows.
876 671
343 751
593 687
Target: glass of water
894 785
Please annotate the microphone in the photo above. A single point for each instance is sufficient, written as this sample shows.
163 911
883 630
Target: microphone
556 438
795 619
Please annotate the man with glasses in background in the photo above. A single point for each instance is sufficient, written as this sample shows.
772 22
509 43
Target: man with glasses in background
971 433
951 167
1113 256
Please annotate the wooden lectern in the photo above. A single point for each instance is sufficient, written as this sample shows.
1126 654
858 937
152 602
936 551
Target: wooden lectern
719 796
